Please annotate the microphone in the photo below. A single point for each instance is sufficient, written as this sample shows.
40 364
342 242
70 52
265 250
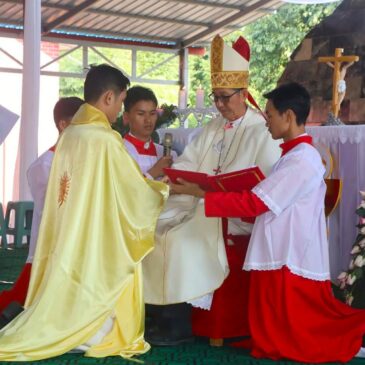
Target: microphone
167 144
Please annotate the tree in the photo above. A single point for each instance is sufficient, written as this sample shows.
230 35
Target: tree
166 94
199 72
273 39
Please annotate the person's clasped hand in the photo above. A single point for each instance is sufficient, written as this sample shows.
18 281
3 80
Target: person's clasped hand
157 169
184 187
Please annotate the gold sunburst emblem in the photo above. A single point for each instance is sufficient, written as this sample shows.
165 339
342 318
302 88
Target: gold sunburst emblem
64 188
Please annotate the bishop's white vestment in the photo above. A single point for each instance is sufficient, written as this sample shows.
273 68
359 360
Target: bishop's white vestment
189 259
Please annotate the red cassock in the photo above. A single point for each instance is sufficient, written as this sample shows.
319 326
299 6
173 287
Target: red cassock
290 316
295 318
37 175
18 292
228 315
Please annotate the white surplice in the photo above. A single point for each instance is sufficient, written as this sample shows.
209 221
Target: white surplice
145 162
189 259
37 175
294 192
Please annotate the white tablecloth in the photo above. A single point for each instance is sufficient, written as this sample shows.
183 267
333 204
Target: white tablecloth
347 146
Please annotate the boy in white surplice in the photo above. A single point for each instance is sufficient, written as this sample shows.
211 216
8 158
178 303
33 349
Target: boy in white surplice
293 313
141 115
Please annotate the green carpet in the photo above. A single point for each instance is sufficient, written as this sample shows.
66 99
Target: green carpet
196 353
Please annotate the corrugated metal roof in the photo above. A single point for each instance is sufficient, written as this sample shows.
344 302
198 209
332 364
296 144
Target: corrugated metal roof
169 23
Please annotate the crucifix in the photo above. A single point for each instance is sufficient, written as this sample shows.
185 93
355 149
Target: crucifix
339 72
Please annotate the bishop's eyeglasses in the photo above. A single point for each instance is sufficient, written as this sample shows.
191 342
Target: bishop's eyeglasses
222 98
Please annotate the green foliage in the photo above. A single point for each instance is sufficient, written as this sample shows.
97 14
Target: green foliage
72 63
199 75
273 39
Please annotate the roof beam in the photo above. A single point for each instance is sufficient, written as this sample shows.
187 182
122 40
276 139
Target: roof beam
68 15
89 33
127 15
13 1
147 17
207 3
243 11
153 18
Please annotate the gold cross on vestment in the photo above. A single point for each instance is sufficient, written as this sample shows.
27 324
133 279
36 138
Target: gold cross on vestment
336 62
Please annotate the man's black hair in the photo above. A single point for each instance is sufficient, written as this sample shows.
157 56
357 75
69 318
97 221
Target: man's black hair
291 96
66 108
136 94
101 78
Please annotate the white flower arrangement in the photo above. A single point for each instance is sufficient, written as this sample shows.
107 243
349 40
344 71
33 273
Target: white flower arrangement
362 205
351 283
359 261
362 243
351 279
355 249
349 299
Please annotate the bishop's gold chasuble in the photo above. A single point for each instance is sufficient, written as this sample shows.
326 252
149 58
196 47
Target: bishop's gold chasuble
98 224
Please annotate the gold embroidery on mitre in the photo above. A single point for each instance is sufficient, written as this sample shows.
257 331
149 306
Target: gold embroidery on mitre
230 79
63 188
216 54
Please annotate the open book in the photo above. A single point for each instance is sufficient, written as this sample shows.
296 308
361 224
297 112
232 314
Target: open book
235 181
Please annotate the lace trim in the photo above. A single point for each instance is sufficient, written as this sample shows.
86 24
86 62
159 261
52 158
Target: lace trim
269 202
204 302
295 270
342 134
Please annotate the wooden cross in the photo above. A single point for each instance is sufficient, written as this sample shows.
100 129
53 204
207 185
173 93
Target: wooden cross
336 63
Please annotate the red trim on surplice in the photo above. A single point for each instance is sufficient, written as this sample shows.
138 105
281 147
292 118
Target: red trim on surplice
287 146
230 205
140 145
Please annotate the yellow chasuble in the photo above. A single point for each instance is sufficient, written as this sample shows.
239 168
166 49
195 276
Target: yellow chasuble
98 224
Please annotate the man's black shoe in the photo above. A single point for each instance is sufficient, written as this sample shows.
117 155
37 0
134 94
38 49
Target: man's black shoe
164 339
9 313
168 325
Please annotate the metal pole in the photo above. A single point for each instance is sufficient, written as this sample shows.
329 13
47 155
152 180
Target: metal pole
28 139
184 76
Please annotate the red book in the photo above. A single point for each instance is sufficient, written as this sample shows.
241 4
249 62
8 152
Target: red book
235 181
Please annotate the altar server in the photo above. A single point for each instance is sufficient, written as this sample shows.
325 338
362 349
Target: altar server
293 312
140 114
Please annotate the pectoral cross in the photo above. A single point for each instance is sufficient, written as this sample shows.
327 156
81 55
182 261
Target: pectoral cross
336 63
217 170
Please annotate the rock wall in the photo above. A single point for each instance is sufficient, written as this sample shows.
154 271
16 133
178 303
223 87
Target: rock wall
345 28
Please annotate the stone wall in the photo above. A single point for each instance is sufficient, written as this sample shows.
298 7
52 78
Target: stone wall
345 28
